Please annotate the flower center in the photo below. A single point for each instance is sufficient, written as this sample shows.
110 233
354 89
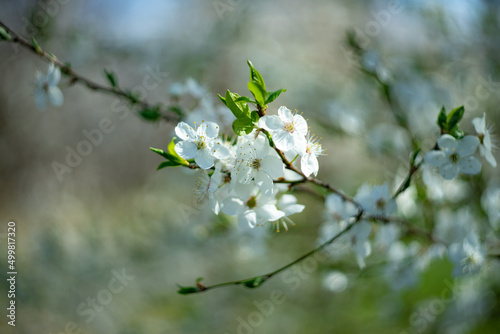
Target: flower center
380 204
256 164
45 87
454 158
480 137
200 143
227 178
289 127
252 202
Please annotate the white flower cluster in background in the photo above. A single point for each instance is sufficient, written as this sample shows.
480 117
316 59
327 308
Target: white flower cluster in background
238 176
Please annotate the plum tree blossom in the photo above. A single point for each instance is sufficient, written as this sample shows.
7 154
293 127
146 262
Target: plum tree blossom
288 130
47 89
484 135
251 206
454 156
200 143
288 205
376 200
257 161
309 160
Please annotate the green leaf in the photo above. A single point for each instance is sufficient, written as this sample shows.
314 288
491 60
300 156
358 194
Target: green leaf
4 35
245 99
185 290
150 114
255 75
457 133
442 120
258 92
242 126
222 99
254 282
167 163
111 78
239 109
37 47
254 116
199 279
273 95
176 109
171 155
455 116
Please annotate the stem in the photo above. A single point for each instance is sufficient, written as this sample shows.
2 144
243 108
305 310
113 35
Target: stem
256 281
167 113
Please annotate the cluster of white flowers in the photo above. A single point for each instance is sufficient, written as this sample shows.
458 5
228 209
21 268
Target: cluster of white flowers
238 176
455 156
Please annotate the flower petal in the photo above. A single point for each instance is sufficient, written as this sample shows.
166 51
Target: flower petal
309 164
208 129
469 165
273 166
220 151
285 114
447 143
41 99
185 132
55 96
269 212
53 75
435 158
271 123
264 182
186 149
480 123
449 171
490 158
204 158
233 206
467 145
300 125
248 217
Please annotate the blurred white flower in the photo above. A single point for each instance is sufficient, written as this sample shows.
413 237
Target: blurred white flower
455 156
376 200
468 255
251 206
337 209
46 88
490 201
288 130
362 246
483 133
335 281
453 227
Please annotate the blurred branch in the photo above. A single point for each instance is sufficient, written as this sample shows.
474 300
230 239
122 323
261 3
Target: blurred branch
257 281
169 114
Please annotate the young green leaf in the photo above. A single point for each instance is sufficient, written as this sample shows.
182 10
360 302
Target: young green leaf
258 92
150 114
111 78
442 120
37 47
273 95
4 34
185 290
245 99
223 99
455 116
167 163
242 126
254 282
255 75
171 155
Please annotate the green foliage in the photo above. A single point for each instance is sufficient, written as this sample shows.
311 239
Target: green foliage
449 123
254 282
150 114
173 159
113 81
244 122
274 95
36 46
185 290
4 35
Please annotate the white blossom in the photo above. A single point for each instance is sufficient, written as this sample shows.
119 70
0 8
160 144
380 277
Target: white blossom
468 256
288 130
288 205
257 161
454 156
309 160
337 209
46 88
201 143
484 135
251 206
376 200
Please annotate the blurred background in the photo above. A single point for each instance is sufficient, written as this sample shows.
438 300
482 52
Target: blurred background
114 215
